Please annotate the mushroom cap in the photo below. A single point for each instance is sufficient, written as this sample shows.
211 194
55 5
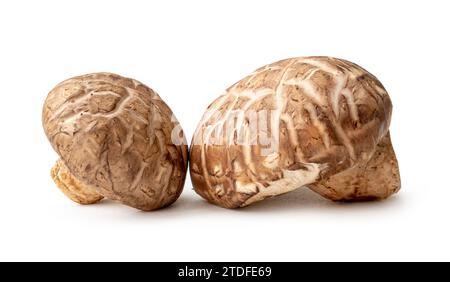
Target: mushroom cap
117 136
314 116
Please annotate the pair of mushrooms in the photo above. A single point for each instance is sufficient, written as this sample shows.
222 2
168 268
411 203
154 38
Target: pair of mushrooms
319 122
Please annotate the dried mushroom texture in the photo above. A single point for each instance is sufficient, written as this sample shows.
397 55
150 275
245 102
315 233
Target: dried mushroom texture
319 122
117 139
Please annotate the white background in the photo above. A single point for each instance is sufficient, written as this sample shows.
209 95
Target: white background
189 52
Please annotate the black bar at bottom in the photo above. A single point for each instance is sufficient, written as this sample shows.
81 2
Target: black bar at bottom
226 271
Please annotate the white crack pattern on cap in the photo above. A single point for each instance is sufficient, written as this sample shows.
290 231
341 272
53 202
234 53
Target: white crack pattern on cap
114 137
328 128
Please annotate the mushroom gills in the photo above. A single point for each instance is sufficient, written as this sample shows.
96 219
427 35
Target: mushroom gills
292 179
78 192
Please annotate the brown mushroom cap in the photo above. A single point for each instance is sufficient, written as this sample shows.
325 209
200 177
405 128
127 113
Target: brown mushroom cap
326 126
116 139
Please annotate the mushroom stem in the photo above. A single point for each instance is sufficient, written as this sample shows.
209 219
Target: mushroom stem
376 179
71 187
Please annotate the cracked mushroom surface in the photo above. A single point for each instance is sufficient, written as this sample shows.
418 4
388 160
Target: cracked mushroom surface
117 139
319 122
